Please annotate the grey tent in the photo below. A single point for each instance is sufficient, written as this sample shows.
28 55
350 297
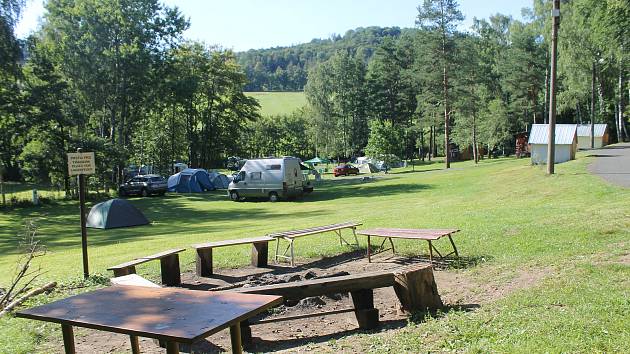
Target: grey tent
115 213
219 180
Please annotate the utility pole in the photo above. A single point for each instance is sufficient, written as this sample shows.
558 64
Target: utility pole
593 107
551 142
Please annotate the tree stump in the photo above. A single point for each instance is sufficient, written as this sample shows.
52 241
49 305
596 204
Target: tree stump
416 289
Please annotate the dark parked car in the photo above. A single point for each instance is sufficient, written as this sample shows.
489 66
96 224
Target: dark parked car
143 185
345 170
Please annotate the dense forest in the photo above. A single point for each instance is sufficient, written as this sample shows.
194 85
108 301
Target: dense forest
286 68
118 78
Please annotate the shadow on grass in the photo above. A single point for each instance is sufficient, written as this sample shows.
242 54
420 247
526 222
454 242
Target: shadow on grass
60 226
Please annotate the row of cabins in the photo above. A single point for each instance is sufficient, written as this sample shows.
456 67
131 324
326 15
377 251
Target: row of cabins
568 139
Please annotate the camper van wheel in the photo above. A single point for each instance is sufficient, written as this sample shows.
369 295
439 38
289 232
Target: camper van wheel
234 196
273 197
144 192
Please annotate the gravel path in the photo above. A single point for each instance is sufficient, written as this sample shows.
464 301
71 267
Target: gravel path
612 164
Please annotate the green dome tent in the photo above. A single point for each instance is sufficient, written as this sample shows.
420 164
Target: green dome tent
115 213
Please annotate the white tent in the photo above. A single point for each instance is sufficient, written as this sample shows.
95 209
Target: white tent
565 142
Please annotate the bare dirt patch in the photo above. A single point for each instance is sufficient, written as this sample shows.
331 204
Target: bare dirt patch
457 287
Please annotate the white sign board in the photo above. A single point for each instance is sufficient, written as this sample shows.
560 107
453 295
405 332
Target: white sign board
81 163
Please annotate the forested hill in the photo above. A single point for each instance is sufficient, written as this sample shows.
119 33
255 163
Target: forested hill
285 68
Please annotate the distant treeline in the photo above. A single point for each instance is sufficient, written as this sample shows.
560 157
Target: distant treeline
286 68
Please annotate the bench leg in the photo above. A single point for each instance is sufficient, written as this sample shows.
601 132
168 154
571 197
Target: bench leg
356 240
68 338
292 255
430 252
367 315
392 243
235 337
169 267
124 271
369 251
135 344
204 262
260 254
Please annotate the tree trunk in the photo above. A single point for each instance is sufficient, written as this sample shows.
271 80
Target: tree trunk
621 105
447 147
474 140
421 151
430 142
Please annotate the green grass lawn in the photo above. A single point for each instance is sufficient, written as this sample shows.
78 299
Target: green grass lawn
275 103
511 215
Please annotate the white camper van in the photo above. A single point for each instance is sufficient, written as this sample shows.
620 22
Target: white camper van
271 178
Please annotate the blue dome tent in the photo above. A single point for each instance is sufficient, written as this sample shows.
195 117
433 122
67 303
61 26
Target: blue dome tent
190 180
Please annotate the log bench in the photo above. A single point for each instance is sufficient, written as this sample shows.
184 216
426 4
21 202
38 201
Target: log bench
414 286
169 266
290 237
204 252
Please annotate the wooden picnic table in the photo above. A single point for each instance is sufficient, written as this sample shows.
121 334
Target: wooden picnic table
428 235
173 315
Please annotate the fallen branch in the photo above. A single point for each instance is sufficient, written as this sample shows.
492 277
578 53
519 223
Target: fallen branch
26 296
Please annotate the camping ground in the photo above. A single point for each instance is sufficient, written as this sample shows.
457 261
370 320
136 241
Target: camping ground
555 248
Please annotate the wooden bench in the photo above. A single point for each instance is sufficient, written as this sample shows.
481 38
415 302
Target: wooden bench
290 237
204 252
414 286
169 266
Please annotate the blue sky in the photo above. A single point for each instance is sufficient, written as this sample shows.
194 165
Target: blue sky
247 24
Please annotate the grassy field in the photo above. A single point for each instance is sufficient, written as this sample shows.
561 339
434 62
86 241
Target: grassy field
274 103
572 226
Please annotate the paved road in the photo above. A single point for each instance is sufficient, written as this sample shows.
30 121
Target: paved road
613 164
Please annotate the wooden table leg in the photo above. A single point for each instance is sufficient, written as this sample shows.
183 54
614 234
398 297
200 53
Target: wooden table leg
172 347
235 336
292 255
430 252
68 338
368 250
453 244
135 345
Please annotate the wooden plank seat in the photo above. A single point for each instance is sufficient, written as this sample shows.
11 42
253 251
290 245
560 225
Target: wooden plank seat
204 252
290 237
414 285
169 266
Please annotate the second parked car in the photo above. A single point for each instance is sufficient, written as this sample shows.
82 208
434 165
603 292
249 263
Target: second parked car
143 185
345 170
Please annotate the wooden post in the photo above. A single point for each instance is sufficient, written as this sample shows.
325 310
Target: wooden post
593 106
68 338
235 338
204 262
367 315
86 272
135 345
416 289
551 143
169 267
260 253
